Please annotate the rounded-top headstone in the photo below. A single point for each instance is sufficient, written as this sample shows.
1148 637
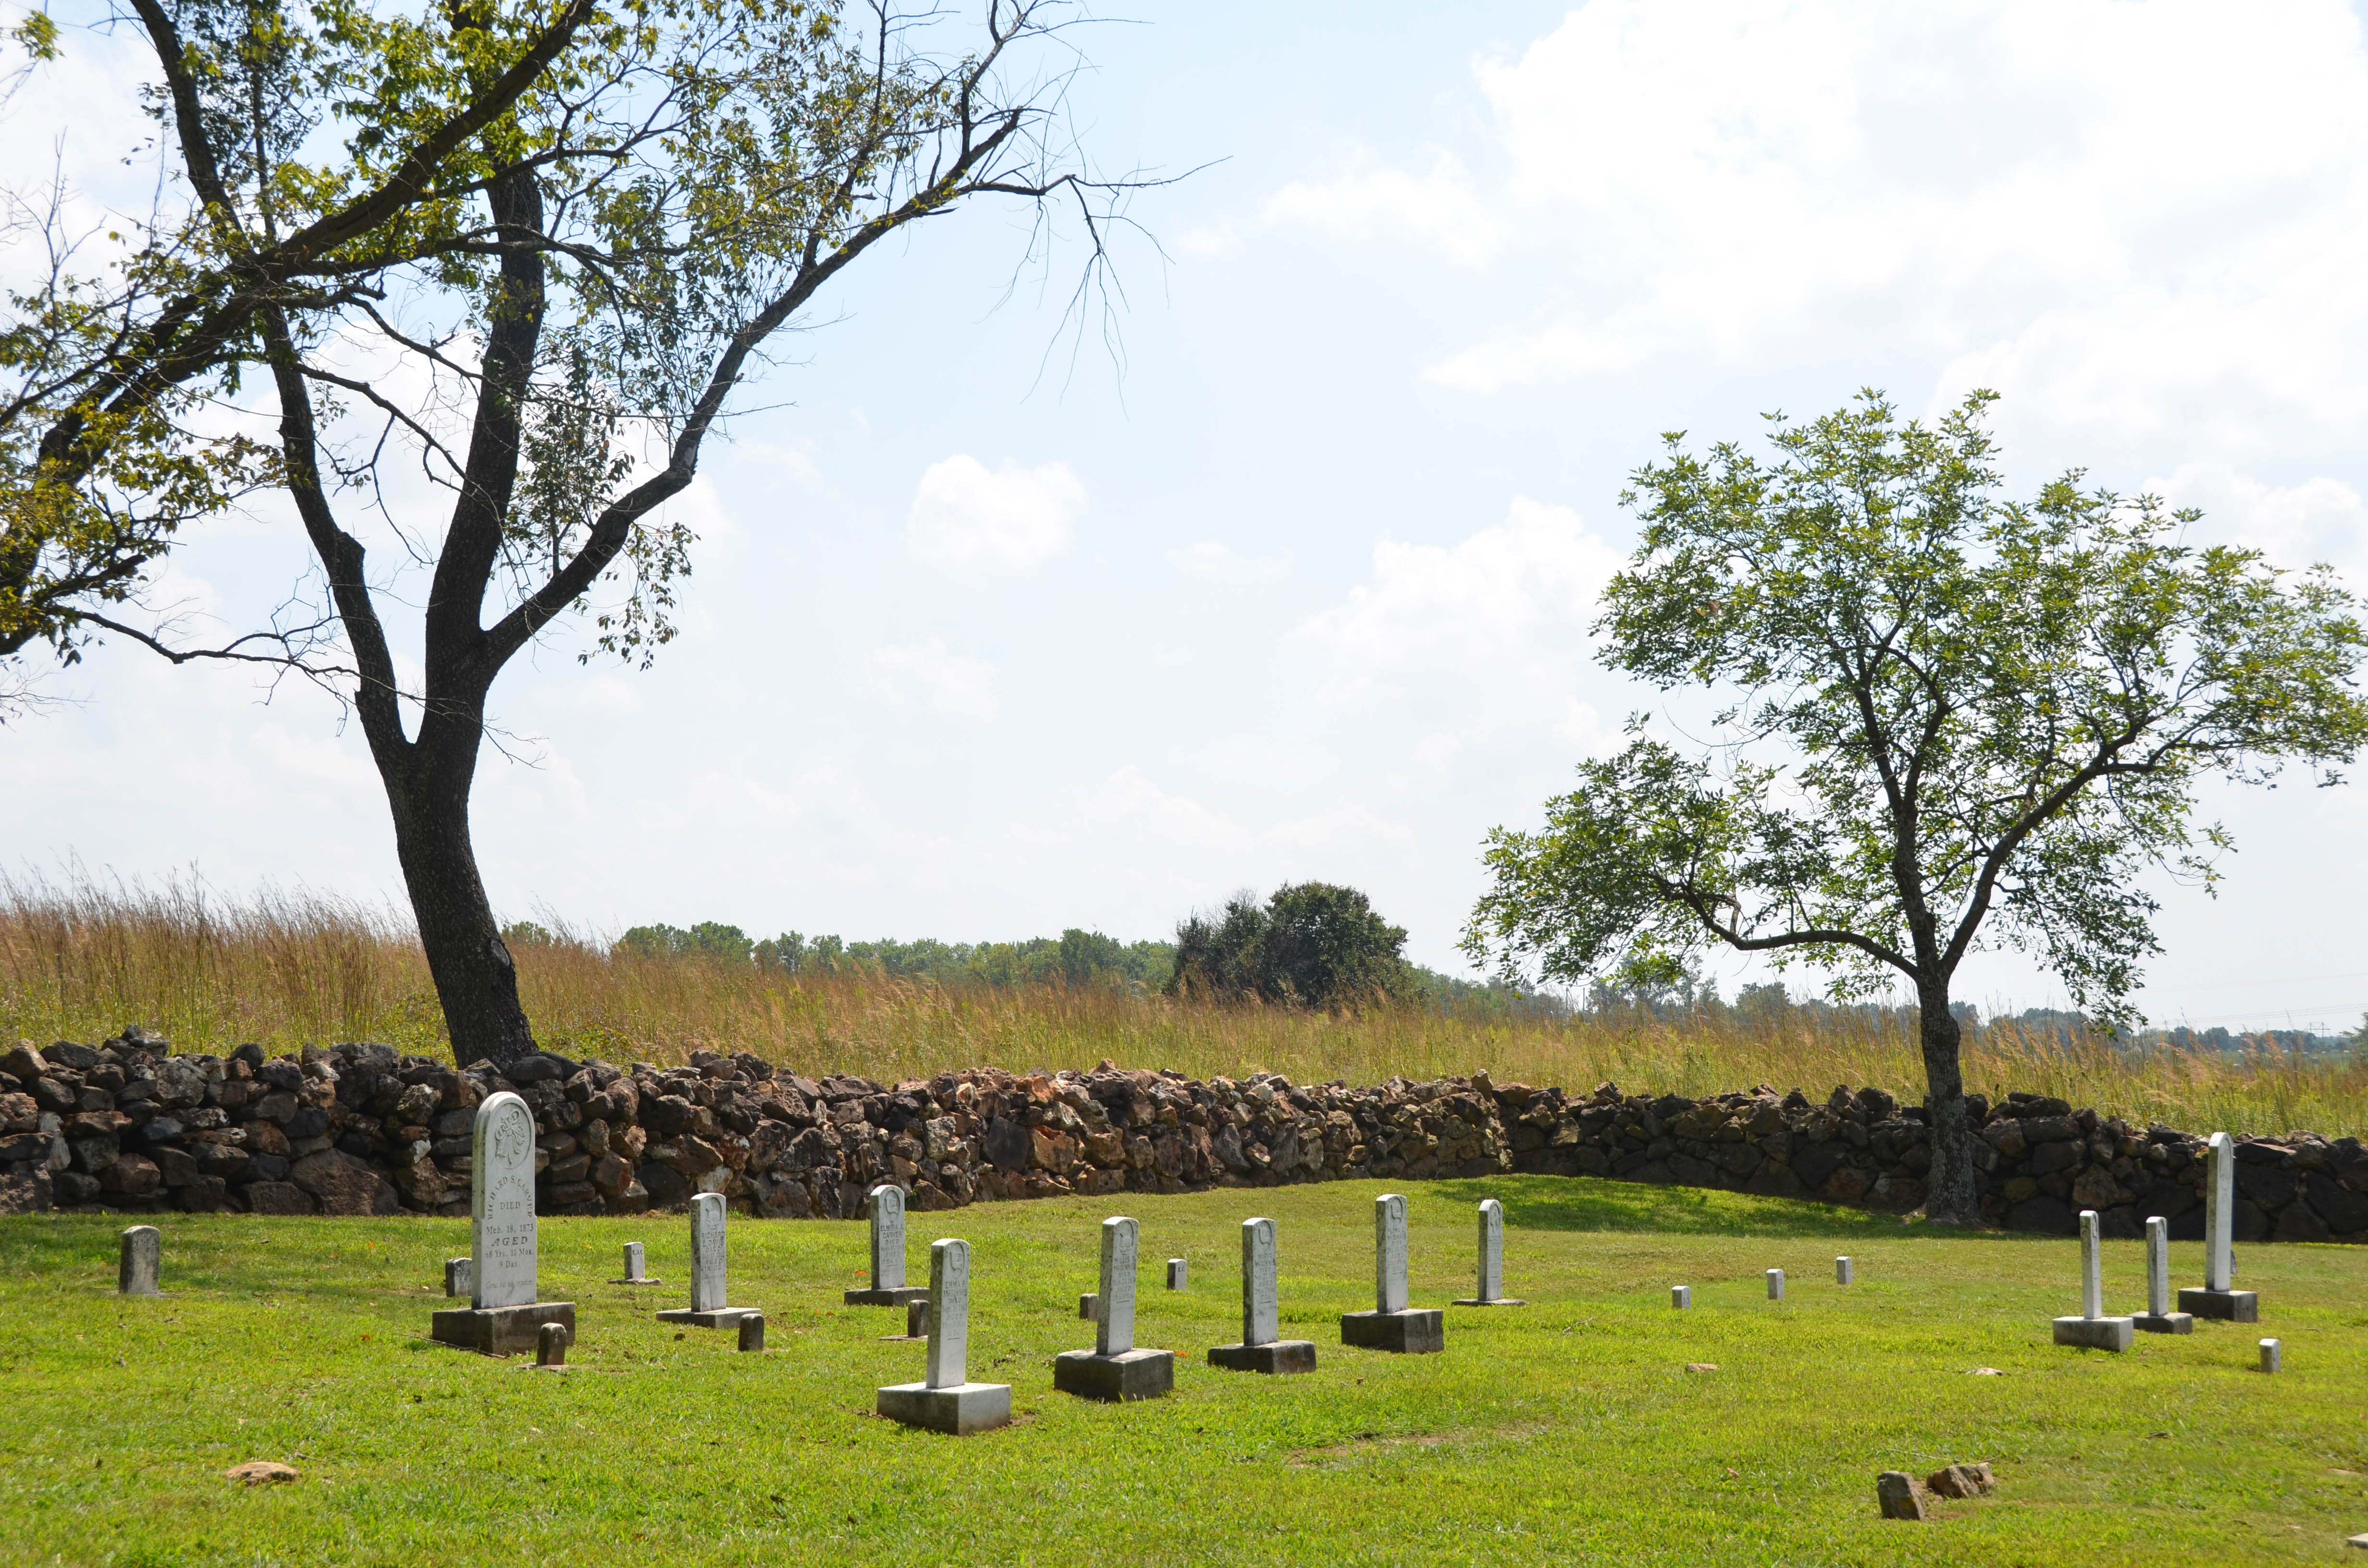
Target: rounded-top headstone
501 1203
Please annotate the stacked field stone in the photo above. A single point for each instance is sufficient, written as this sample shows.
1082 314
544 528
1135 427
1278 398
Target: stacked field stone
359 1129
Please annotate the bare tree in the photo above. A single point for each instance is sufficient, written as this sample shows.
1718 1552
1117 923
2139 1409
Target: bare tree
579 230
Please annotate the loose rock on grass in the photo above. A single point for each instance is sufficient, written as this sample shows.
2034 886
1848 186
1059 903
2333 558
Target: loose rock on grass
259 1472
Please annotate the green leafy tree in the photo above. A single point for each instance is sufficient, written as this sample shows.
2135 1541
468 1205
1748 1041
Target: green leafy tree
527 250
1952 723
1312 945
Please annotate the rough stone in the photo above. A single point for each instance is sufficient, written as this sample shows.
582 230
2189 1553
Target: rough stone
1895 1494
1960 1480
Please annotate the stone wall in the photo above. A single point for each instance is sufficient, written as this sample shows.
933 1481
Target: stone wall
359 1130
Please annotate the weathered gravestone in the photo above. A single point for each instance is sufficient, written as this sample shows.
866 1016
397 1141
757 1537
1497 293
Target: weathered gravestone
1844 1271
1775 1284
1262 1350
887 1287
1392 1324
752 1332
2159 1318
1090 1306
460 1276
2092 1328
947 1401
2216 1300
707 1309
1681 1297
1491 1289
1114 1369
506 1318
635 1268
2273 1356
141 1255
1176 1274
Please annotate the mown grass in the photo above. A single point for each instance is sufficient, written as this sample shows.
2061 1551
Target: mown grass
1568 1430
83 959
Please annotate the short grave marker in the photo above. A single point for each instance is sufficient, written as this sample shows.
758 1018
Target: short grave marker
1392 1324
887 1287
1115 1368
141 1255
551 1347
2216 1300
1262 1350
1895 1494
1844 1271
707 1269
2093 1329
752 1332
635 1268
460 1276
946 1399
1775 1284
505 1317
1090 1306
1682 1296
1491 1291
1176 1274
2159 1318
2273 1356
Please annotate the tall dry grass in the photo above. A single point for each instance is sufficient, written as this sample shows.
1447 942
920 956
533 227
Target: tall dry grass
82 960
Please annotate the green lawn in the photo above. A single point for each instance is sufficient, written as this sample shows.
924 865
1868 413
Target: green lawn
1566 1430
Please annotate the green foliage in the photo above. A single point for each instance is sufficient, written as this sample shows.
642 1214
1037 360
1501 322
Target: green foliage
1952 723
1311 945
526 933
723 943
1074 957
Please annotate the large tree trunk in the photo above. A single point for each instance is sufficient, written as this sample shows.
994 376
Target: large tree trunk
475 979
1950 1198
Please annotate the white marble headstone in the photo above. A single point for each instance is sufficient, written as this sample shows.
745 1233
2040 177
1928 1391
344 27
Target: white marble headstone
2158 1266
949 1314
633 1264
887 1237
2092 1268
142 1256
1114 1309
2220 1214
1390 1253
707 1267
1261 1313
501 1203
1492 1250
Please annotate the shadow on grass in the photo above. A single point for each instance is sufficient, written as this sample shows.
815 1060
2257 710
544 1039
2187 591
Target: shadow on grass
1593 1203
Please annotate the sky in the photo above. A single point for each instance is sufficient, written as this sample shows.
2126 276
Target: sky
997 628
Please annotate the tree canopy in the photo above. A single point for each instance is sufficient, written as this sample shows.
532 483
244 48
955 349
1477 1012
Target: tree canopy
1311 945
1944 722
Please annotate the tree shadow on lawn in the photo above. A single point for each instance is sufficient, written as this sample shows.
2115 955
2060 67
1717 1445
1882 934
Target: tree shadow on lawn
1595 1203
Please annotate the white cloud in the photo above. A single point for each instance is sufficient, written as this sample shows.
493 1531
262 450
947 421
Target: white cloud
1438 209
960 685
979 523
1493 629
1220 562
2296 526
2137 220
1247 758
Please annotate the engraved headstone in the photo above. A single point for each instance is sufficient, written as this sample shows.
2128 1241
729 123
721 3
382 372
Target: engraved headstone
505 1317
1262 1348
2218 1298
1114 1369
887 1287
946 1401
2092 1328
708 1272
1392 1325
1491 1291
141 1255
1176 1274
2159 1318
636 1267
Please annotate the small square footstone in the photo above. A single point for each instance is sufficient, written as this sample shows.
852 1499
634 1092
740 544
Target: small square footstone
916 1322
1895 1494
635 1271
551 1347
1845 1270
1390 1326
1176 1274
505 1318
947 1401
460 1276
1115 1368
1775 1284
1491 1288
2273 1356
1681 1297
751 1332
887 1287
1261 1351
1088 1306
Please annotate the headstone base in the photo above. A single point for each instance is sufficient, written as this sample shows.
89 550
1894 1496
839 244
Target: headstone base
2095 1333
1130 1374
2227 1306
2166 1323
645 1280
1491 1301
896 1298
1412 1332
1274 1355
500 1331
722 1317
963 1409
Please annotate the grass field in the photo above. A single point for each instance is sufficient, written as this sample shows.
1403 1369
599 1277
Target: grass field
1569 1430
83 959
